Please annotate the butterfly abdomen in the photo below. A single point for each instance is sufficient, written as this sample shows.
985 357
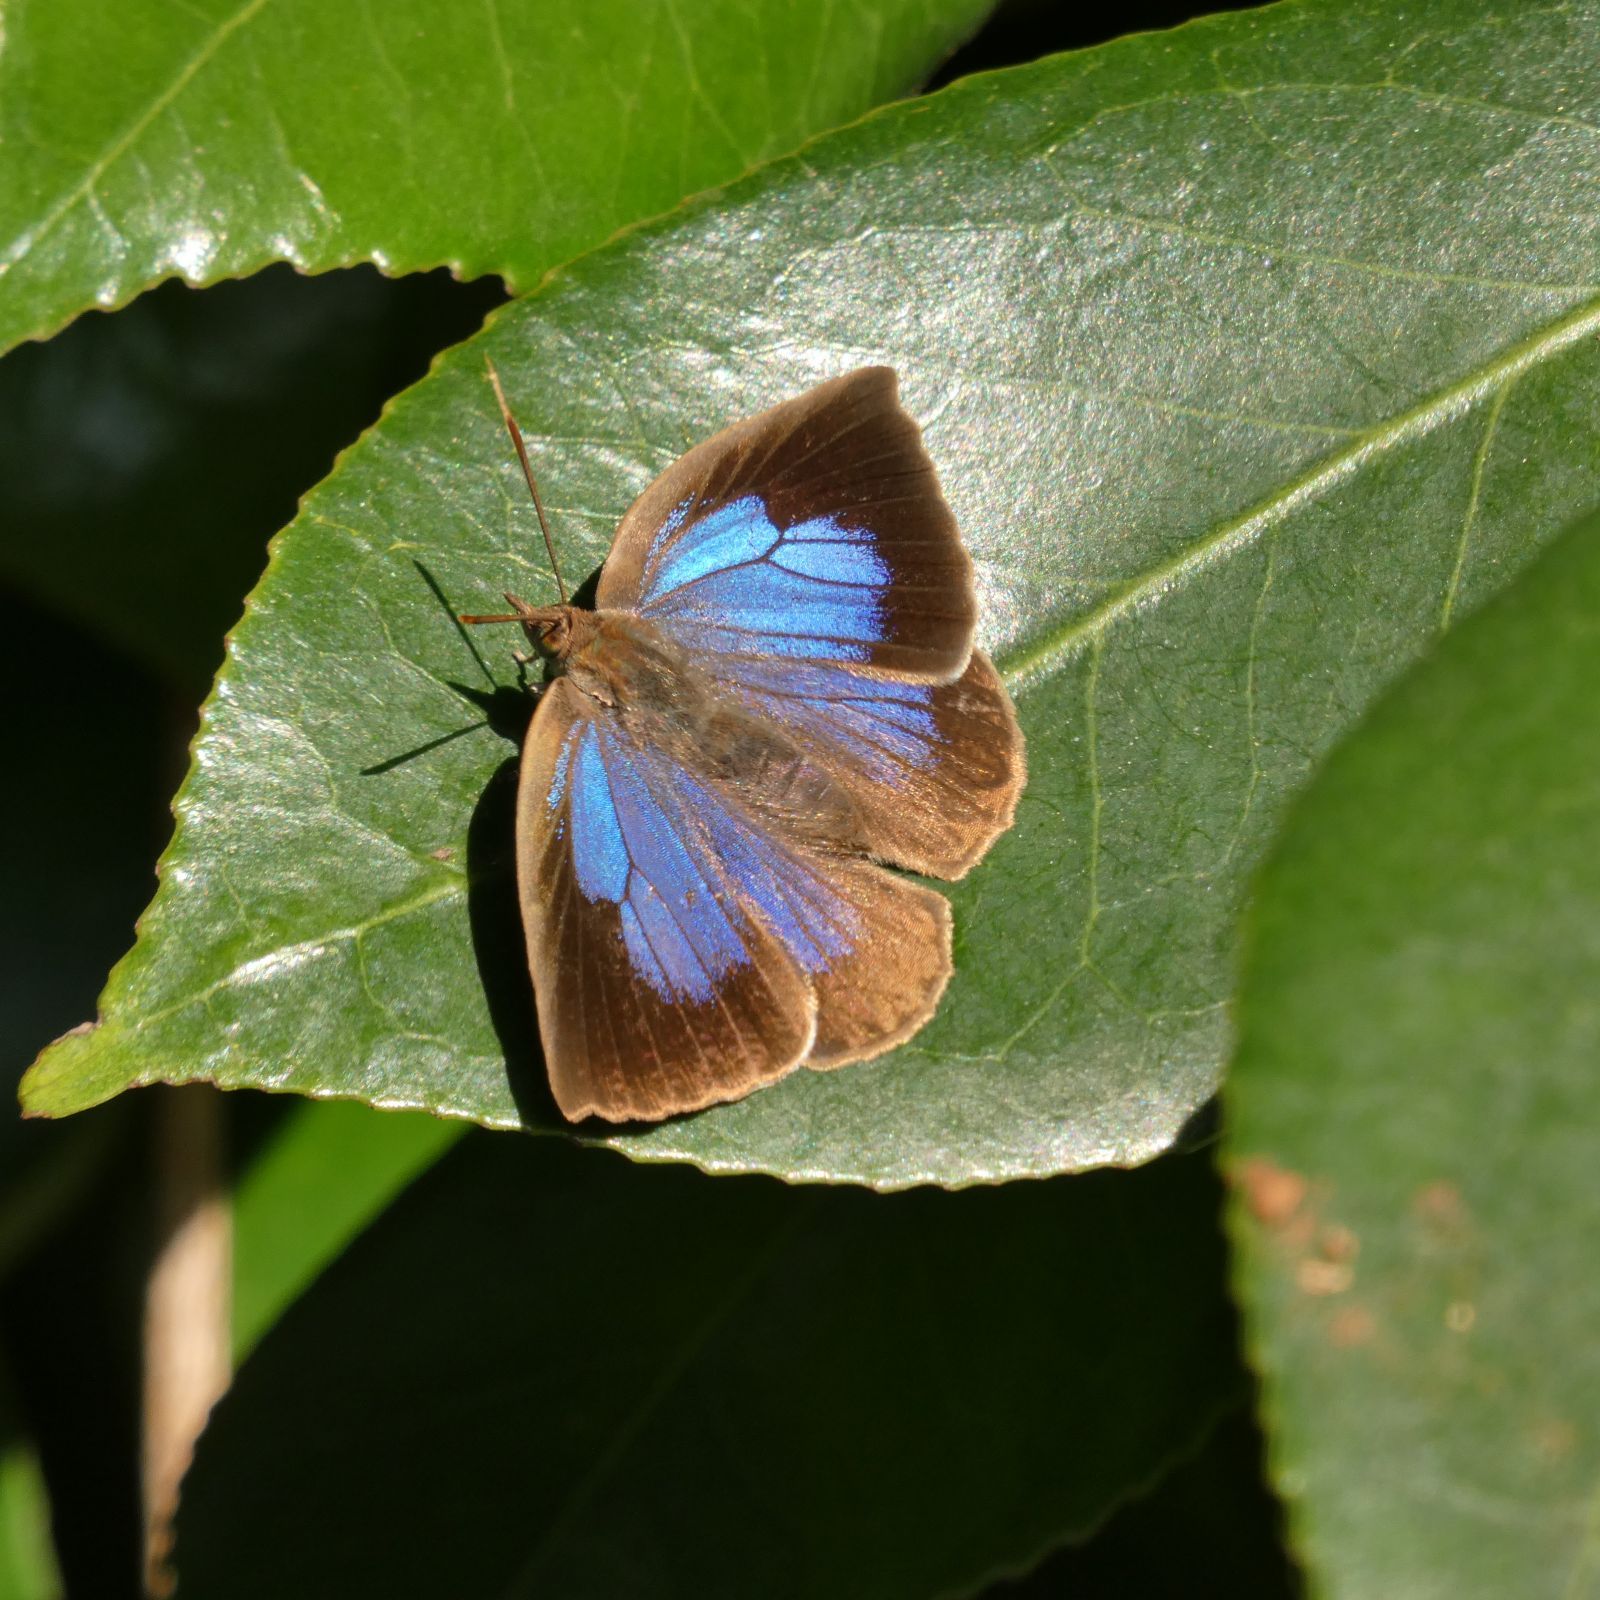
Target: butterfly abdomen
778 782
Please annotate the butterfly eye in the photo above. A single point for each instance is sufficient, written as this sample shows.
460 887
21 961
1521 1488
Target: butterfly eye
552 637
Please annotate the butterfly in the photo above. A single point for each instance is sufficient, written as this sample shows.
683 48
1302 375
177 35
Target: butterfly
776 694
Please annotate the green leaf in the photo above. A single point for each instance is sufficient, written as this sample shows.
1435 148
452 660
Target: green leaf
1251 355
146 141
609 1379
28 1569
324 1173
1413 1118
1215 1502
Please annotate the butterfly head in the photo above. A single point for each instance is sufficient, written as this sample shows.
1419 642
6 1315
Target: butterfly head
551 630
555 632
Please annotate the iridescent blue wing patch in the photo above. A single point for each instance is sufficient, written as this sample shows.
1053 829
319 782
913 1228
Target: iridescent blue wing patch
735 583
814 531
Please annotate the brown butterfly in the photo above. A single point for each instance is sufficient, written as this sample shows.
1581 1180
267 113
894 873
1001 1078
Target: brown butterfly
776 692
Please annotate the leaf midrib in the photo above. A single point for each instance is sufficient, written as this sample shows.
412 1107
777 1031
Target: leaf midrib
1024 668
431 896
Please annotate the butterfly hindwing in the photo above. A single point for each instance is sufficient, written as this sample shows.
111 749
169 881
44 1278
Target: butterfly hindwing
889 982
934 769
875 946
690 939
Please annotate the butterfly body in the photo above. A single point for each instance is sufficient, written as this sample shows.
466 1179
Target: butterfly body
624 664
777 692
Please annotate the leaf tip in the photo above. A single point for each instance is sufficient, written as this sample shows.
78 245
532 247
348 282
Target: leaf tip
66 1077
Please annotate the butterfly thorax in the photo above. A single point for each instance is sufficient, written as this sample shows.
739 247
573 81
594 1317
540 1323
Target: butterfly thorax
613 657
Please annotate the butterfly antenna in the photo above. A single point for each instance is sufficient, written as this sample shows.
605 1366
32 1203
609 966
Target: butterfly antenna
527 472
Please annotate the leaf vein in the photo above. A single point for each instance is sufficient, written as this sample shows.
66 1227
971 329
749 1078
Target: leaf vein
245 971
1434 410
1170 228
1479 461
30 238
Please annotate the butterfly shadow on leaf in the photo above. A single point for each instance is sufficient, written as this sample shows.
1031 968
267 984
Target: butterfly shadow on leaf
494 915
499 943
500 947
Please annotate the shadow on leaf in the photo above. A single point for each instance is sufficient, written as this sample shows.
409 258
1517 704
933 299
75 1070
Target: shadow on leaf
500 948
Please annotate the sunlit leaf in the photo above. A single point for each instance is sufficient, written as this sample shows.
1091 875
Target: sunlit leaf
1252 356
147 140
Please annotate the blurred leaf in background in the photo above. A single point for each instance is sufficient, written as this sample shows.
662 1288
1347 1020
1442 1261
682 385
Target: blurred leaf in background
1413 1120
1206 1529
94 748
148 456
28 1569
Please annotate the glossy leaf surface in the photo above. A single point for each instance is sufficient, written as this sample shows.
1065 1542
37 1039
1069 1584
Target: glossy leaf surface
1251 356
610 1379
1413 1120
147 141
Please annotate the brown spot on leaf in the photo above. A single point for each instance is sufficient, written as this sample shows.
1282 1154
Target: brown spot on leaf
1273 1193
1319 1277
1439 1204
1351 1326
1339 1243
1320 1255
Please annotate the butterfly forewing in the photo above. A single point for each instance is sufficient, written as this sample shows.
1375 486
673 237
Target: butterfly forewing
814 531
